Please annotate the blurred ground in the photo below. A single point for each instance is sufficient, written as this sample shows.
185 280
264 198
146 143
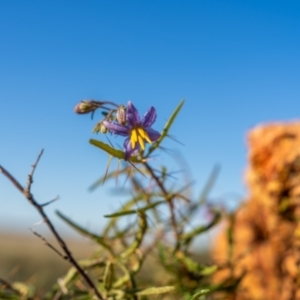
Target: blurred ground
26 258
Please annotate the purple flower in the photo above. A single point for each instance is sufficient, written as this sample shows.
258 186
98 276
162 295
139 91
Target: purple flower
137 131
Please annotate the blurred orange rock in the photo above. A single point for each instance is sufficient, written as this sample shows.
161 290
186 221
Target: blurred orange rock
266 231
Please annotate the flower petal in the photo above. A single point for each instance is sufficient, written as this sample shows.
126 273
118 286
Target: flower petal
149 117
132 115
116 128
153 134
128 149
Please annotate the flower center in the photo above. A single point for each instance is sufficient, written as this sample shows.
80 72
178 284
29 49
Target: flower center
138 135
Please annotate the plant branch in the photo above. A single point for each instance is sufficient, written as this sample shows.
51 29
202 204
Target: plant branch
48 244
169 200
30 176
26 192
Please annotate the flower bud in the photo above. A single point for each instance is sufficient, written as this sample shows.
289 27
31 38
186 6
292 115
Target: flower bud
100 127
85 107
121 115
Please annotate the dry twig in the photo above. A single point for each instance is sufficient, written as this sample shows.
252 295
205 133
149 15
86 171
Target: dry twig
27 193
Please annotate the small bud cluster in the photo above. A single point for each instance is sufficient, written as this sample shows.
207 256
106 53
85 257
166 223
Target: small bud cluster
110 110
100 127
85 107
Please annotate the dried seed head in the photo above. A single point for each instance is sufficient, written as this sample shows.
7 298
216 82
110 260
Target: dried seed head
121 115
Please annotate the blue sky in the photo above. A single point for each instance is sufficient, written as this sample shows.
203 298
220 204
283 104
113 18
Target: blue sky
236 63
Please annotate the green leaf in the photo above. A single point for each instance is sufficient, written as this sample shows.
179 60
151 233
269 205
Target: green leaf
142 223
108 275
125 207
194 266
83 231
156 290
209 270
166 128
186 238
112 151
200 293
107 148
135 211
121 213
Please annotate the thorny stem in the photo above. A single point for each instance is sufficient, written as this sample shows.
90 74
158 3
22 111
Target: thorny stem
68 256
30 176
48 244
169 199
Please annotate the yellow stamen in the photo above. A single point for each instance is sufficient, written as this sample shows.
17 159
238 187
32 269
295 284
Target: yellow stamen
139 135
141 141
133 138
141 132
144 135
147 138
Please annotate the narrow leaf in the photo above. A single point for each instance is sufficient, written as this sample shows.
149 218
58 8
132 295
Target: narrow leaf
200 293
135 211
166 128
156 290
83 231
188 237
139 236
112 151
